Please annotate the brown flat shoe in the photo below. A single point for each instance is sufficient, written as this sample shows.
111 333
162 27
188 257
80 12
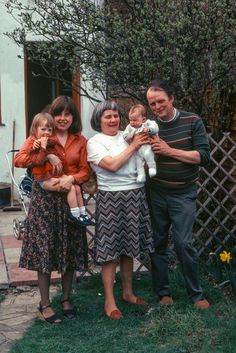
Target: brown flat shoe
139 301
114 315
166 300
202 304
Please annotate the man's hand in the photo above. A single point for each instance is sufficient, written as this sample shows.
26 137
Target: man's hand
159 146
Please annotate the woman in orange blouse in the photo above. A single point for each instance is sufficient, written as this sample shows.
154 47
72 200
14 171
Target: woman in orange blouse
51 242
38 146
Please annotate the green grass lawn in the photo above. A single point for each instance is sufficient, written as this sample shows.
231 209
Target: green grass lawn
179 329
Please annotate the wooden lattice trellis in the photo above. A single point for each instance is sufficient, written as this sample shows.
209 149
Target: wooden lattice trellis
215 226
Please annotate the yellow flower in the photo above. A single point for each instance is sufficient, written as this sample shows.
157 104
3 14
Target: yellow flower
225 256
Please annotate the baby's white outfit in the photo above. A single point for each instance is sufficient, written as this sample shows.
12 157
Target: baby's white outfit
145 152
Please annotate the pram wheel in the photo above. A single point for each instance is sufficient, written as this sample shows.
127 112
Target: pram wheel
18 229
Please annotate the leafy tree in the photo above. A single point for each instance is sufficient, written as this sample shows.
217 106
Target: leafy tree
120 46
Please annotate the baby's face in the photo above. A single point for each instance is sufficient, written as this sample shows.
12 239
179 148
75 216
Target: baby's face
136 119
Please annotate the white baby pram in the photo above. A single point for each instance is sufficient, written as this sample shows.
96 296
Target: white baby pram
24 189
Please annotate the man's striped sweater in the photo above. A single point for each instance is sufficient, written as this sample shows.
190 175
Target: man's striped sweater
185 132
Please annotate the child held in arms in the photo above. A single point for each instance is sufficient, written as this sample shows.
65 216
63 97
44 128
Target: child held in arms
41 143
139 123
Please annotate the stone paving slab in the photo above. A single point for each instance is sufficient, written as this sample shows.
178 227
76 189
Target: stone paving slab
19 286
12 255
10 248
9 242
2 259
4 283
21 276
6 221
17 313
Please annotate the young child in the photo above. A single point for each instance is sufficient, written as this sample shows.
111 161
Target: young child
39 145
139 123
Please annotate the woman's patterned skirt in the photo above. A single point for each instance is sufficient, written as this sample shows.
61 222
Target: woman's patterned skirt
122 225
51 242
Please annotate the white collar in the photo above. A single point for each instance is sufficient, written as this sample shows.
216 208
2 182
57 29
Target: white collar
176 114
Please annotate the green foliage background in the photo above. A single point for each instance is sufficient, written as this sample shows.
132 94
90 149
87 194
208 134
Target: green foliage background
120 46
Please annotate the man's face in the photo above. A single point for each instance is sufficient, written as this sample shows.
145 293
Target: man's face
161 104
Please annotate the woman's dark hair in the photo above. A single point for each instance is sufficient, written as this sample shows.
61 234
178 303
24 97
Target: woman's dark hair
65 103
99 110
161 85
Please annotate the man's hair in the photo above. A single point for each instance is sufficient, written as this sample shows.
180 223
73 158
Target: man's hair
140 108
161 85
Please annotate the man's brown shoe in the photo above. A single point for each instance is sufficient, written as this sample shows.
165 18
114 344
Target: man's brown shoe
202 304
166 300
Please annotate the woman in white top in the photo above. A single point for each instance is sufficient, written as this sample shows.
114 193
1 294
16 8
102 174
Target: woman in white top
122 219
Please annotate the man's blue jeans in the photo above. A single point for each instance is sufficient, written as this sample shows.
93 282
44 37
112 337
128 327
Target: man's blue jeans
176 208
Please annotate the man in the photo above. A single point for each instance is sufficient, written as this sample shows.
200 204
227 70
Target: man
182 146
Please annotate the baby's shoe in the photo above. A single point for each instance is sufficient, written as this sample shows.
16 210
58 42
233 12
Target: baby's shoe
141 178
152 172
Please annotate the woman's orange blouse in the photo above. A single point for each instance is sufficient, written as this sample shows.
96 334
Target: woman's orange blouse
74 153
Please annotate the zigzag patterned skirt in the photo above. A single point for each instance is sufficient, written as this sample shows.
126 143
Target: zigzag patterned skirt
123 225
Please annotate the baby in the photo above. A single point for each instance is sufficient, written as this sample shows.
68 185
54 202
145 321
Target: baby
139 123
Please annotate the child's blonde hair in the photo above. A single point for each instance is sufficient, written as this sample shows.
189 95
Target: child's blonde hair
140 108
38 120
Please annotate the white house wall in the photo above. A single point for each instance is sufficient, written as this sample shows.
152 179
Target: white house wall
12 93
13 97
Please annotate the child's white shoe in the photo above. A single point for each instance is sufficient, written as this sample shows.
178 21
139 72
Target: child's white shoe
152 172
141 178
